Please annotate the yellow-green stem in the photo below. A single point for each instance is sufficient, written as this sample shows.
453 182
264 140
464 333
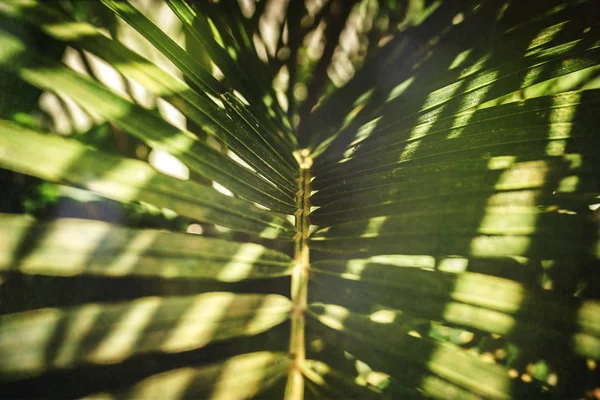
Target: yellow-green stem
295 384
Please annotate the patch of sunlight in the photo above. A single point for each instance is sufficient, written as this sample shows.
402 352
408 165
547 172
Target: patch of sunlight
363 98
270 232
482 81
440 96
111 182
269 24
512 178
560 130
195 229
222 229
460 58
546 35
575 159
520 177
106 74
585 79
409 151
72 58
168 164
501 162
458 19
460 369
340 73
232 53
257 367
373 226
486 246
556 148
362 133
475 67
261 206
421 129
594 207
291 219
241 97
377 379
496 222
268 313
453 264
61 236
261 50
32 334
568 184
478 318
300 91
354 268
216 100
199 323
283 100
362 368
401 88
51 104
145 83
317 345
222 189
414 334
402 260
171 385
171 114
81 324
334 316
383 316
70 30
481 87
240 264
130 256
120 342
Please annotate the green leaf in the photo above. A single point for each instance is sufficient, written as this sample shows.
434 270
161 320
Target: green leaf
110 333
472 300
67 161
69 247
235 47
244 376
179 57
421 358
146 125
281 167
529 128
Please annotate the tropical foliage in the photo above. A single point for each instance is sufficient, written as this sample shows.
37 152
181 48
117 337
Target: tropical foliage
300 199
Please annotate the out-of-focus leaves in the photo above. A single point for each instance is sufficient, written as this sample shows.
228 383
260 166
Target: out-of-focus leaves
244 376
69 247
148 126
55 338
66 161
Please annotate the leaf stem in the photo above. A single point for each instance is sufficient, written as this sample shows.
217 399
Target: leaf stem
295 384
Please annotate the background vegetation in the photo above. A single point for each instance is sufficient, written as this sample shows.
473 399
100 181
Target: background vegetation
300 199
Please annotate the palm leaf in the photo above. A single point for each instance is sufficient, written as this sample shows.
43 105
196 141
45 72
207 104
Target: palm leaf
438 160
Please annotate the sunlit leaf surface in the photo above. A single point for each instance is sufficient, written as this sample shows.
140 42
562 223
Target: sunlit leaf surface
413 184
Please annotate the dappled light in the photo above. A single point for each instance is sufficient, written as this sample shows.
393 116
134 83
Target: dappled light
300 199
